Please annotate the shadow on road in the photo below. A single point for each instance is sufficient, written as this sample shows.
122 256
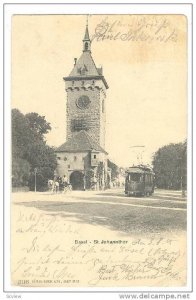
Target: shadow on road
130 220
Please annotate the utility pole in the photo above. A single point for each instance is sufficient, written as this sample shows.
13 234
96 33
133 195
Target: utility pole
139 154
35 172
181 180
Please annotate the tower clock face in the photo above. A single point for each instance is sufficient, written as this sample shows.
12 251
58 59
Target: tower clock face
83 102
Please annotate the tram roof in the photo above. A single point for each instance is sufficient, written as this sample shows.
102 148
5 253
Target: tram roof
140 170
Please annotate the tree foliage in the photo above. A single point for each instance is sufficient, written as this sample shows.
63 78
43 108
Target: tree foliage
38 125
170 166
21 134
114 169
30 151
20 172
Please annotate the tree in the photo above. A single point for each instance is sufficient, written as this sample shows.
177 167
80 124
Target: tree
114 170
30 151
21 139
21 134
20 172
43 158
169 164
38 125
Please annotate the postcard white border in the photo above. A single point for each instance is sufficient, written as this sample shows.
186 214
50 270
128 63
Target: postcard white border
48 8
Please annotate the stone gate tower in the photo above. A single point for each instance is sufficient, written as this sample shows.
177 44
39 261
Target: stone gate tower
86 115
86 92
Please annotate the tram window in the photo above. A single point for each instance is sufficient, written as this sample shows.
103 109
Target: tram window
135 177
146 178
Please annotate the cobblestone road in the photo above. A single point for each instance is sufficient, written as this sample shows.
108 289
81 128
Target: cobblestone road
164 211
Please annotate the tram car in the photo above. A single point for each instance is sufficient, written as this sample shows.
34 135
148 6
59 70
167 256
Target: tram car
139 181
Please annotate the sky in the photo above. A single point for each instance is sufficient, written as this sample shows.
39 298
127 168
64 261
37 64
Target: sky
144 63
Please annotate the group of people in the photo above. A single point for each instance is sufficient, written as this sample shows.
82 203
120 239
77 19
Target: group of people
59 184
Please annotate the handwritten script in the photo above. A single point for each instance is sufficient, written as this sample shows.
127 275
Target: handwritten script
48 250
138 29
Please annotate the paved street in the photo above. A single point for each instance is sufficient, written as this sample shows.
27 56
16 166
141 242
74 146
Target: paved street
113 239
163 212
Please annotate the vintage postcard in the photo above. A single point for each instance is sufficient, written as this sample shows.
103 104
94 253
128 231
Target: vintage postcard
99 150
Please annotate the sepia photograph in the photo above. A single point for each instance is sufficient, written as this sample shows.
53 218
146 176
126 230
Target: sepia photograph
99 134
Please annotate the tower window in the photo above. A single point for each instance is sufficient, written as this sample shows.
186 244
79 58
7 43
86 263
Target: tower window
79 124
65 158
95 156
86 46
68 166
75 158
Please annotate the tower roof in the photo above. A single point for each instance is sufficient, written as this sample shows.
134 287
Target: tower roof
86 35
79 143
84 67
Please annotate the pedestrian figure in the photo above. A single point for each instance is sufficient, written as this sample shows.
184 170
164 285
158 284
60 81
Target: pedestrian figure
65 183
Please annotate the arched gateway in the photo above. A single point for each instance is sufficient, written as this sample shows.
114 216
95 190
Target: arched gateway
77 180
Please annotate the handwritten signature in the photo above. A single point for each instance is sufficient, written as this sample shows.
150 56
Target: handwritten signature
147 269
143 31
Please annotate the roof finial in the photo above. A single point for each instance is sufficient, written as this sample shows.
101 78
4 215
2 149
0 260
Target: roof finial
87 20
86 36
86 40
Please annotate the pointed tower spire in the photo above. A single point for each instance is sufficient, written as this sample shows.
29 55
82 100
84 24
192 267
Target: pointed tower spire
86 40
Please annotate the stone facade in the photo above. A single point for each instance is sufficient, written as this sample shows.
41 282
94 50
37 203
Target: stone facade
68 162
84 162
82 157
93 116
